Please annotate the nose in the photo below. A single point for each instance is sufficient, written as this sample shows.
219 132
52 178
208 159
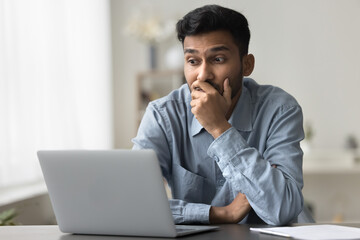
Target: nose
205 72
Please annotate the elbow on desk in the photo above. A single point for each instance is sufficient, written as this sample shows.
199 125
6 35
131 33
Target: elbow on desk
284 213
284 219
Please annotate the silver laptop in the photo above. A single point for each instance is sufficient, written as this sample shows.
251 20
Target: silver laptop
110 192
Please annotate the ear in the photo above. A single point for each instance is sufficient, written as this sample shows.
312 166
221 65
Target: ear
248 64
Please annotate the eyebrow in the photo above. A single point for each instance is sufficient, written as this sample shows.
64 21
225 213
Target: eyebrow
214 49
189 50
218 49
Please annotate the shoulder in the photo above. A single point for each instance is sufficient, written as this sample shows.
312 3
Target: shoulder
176 102
269 95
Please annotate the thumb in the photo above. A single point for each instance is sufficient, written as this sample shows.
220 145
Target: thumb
227 90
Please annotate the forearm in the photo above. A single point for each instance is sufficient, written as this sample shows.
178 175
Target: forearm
232 213
274 195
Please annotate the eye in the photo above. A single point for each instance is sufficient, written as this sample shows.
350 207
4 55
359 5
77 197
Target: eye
219 59
192 61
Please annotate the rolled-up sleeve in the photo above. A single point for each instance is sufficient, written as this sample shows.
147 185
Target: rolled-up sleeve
273 192
189 213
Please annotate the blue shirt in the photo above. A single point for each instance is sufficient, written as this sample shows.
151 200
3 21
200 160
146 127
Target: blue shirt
202 172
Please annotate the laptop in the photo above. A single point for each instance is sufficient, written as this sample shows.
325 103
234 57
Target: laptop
110 192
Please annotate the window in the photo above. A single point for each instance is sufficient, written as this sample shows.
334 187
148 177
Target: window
55 81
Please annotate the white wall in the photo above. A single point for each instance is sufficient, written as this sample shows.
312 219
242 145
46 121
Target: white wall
309 48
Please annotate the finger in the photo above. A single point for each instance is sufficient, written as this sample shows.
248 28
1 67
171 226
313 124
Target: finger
203 86
240 195
197 94
193 103
227 90
195 86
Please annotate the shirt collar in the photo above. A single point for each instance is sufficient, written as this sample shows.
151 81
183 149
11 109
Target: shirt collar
195 126
241 118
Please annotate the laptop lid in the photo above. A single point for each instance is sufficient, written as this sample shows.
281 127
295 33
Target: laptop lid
117 192
109 192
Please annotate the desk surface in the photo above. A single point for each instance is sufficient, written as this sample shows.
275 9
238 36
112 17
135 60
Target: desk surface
52 232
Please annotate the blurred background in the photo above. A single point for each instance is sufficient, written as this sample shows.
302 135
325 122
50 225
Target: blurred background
78 74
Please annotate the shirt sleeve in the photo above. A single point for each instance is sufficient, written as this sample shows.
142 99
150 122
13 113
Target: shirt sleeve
189 213
273 192
152 134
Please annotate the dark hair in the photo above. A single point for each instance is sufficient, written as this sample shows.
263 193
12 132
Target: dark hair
214 17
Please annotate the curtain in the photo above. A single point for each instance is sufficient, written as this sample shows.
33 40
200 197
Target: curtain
55 81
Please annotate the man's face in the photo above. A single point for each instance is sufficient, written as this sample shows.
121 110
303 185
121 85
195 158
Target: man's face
212 57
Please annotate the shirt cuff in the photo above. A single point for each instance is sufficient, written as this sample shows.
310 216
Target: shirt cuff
226 146
197 213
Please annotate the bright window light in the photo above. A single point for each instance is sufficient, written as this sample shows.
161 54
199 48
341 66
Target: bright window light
55 81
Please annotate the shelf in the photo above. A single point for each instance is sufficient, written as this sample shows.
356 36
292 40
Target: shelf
333 169
331 161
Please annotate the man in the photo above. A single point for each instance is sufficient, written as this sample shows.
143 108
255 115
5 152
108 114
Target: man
228 147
